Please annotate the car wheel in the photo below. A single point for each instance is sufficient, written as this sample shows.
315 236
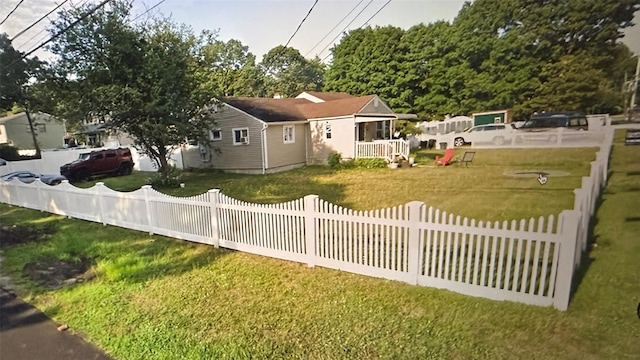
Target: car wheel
498 140
457 142
82 175
125 169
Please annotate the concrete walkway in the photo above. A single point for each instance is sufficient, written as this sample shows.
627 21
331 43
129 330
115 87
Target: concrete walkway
27 333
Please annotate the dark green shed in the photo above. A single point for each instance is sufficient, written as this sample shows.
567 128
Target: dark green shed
492 117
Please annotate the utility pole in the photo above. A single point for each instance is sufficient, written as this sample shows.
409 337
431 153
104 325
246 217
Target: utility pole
632 105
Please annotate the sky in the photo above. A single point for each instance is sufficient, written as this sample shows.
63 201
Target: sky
263 24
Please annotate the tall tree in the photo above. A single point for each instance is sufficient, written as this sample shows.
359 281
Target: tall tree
288 73
371 61
147 81
15 74
231 69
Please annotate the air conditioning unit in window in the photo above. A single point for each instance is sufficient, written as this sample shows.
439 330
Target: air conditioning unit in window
244 140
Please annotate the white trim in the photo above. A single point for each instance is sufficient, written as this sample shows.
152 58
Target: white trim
246 113
490 112
211 137
285 134
341 117
296 122
265 148
244 140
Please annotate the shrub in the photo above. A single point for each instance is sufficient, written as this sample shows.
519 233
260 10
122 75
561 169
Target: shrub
334 159
9 153
170 179
370 163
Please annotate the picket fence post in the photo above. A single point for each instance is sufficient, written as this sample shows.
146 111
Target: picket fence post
415 209
99 194
568 232
310 209
147 189
215 223
39 184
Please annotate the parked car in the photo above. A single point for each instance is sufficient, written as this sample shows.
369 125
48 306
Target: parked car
28 177
497 134
100 162
545 126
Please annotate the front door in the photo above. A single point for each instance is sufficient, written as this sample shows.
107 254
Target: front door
361 131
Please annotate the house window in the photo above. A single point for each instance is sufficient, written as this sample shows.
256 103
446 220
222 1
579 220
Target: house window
241 136
327 131
382 129
215 134
288 134
40 128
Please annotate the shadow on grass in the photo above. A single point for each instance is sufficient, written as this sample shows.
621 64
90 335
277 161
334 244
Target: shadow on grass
120 255
586 259
155 258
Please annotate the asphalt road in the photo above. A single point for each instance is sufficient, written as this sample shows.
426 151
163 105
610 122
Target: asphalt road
27 333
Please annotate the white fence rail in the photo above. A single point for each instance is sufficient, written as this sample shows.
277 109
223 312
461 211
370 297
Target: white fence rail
384 149
530 261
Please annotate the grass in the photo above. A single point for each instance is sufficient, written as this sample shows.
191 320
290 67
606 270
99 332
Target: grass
472 191
158 298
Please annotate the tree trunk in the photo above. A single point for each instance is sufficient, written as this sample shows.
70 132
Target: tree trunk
33 135
162 157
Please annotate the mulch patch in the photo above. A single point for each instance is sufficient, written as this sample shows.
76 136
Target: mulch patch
17 235
50 273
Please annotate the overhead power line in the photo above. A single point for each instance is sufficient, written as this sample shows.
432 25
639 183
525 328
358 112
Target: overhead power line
372 16
343 29
11 12
305 18
90 12
330 31
42 18
153 7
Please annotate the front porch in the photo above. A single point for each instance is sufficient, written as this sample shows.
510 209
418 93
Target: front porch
389 150
374 138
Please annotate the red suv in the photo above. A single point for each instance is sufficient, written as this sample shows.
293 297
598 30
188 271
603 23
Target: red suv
100 162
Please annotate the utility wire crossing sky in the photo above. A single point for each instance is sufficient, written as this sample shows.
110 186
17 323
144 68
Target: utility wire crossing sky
259 24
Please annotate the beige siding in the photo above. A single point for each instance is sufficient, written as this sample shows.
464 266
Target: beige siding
224 155
17 131
280 154
342 139
371 107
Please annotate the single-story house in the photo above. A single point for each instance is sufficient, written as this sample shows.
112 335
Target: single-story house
264 135
15 131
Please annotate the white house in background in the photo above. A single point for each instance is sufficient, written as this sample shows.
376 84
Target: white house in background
15 131
263 135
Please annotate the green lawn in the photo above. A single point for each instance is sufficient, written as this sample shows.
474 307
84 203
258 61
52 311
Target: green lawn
480 190
158 298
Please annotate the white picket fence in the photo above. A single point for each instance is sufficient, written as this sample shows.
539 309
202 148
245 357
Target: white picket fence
530 261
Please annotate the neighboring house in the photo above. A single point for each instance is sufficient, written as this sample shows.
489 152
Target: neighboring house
15 130
94 133
263 135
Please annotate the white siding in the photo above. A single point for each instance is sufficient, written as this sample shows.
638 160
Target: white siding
342 139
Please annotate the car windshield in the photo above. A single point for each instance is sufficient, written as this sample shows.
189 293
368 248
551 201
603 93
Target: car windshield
84 156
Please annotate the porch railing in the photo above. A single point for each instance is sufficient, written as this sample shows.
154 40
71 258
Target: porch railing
384 149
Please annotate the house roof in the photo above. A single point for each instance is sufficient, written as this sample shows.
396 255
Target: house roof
21 114
340 107
328 96
11 117
301 109
269 109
